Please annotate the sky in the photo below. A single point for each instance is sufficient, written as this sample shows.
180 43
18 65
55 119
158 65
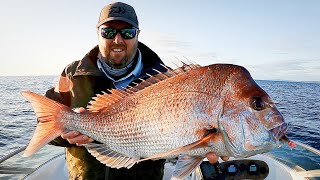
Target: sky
273 39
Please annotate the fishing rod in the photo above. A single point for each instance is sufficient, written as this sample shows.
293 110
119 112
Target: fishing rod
307 147
309 173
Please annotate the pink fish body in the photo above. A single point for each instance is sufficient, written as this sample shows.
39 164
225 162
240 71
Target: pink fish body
189 111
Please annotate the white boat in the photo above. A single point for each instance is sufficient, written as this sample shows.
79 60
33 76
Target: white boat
300 163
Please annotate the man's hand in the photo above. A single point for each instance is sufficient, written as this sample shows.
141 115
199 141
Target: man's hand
74 137
213 158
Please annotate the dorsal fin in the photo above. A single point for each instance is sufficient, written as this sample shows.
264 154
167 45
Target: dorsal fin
104 100
113 96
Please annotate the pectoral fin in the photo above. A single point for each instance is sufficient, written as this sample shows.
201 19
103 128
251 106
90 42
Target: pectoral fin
185 166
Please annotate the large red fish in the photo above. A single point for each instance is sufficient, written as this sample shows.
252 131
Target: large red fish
189 112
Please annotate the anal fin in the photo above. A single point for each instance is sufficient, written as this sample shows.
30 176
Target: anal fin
109 157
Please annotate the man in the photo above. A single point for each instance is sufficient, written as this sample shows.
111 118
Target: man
118 60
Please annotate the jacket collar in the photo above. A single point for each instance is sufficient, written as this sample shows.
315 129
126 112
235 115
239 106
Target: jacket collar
88 65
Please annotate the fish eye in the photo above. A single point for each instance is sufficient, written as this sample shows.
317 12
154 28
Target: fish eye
257 103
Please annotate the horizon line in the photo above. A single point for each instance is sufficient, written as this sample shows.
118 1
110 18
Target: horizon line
286 80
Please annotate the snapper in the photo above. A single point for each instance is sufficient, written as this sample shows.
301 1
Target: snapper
184 113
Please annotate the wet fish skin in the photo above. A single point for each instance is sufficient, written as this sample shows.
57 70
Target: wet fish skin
170 117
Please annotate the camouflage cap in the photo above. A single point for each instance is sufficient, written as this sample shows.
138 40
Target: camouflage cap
118 11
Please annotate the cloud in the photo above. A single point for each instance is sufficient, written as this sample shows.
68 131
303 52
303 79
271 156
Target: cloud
290 69
166 44
282 65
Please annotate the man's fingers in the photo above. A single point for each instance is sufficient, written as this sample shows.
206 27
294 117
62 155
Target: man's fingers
212 157
225 158
80 110
70 135
85 141
81 139
74 137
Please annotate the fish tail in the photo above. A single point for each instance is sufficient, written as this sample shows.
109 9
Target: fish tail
49 117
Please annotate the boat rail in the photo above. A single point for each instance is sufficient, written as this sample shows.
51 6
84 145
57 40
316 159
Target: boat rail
14 170
284 158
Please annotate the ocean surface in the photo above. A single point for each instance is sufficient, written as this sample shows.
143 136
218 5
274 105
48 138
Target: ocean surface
299 102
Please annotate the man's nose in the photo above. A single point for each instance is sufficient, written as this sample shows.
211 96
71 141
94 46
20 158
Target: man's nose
118 39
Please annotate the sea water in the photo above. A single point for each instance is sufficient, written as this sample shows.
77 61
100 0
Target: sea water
299 102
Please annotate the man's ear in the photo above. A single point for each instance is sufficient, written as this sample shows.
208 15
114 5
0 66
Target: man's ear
98 31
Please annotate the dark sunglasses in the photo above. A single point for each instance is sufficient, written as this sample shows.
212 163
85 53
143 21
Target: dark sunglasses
126 33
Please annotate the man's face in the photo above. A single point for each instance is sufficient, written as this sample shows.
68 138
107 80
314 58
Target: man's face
117 52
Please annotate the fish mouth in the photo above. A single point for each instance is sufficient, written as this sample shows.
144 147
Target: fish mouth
280 131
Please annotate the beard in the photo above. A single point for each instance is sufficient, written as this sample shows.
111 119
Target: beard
129 55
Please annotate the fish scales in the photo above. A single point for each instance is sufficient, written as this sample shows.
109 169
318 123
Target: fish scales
150 130
147 118
191 111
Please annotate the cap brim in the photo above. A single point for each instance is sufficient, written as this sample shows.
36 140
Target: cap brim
117 19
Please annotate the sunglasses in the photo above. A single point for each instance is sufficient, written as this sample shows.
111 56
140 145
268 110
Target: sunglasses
127 33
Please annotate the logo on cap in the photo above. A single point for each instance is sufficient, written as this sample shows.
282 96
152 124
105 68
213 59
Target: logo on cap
117 10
